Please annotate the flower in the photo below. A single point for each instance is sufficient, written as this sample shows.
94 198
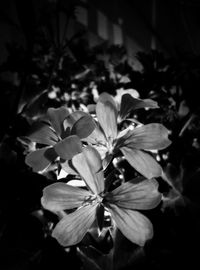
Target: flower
133 143
122 202
61 135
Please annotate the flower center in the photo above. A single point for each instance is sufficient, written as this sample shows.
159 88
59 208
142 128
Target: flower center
109 145
92 199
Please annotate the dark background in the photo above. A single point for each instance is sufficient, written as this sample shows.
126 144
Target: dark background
51 53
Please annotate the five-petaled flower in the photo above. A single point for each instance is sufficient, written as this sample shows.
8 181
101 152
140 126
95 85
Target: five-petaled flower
122 202
61 133
133 143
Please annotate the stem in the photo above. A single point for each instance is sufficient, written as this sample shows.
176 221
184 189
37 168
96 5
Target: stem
186 125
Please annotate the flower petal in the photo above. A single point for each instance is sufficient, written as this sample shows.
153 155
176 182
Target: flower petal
60 196
142 162
68 167
106 111
68 147
40 159
139 193
97 137
129 103
56 117
151 136
71 119
71 229
89 165
83 127
134 226
43 134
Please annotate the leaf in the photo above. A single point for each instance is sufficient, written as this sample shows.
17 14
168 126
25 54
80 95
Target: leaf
133 225
89 165
95 260
142 162
71 229
68 147
56 117
106 111
40 159
129 103
134 194
150 136
43 134
83 127
61 196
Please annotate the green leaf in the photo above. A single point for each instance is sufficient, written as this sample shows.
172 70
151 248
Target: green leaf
133 225
106 111
71 229
129 103
43 134
56 117
142 162
68 147
142 194
89 165
60 196
40 159
83 127
150 136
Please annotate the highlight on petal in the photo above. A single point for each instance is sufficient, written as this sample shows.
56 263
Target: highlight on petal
68 147
142 162
71 229
40 159
129 103
139 193
150 136
43 134
61 196
89 166
133 225
106 111
83 127
56 117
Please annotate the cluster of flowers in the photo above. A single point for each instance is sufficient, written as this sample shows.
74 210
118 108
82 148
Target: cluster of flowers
85 144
